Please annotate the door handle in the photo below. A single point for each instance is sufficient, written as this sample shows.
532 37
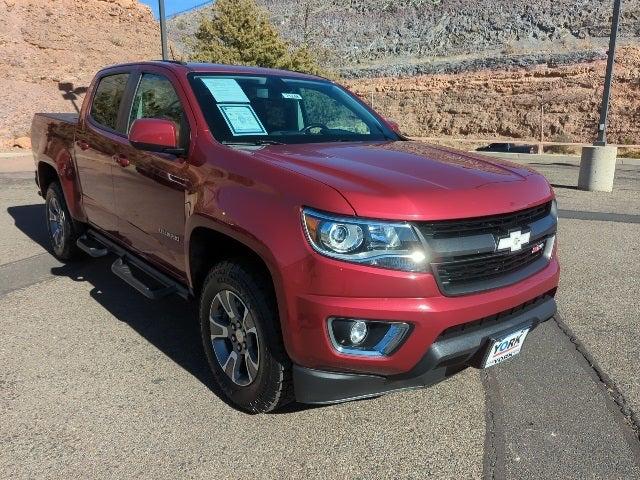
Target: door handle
83 145
121 160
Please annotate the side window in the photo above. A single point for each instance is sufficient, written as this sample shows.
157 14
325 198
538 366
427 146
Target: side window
156 98
107 99
324 110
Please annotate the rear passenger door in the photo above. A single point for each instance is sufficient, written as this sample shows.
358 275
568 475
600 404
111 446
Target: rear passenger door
97 142
150 188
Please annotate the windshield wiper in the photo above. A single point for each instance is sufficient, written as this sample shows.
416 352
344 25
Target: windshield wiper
253 142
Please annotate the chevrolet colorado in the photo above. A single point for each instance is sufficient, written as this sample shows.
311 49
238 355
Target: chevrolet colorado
331 257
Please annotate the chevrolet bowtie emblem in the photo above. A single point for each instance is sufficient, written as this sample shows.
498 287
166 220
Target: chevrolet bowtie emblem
514 241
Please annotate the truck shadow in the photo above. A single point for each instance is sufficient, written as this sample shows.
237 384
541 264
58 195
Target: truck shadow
170 324
29 219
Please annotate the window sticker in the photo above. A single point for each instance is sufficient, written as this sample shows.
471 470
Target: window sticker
225 90
292 96
242 120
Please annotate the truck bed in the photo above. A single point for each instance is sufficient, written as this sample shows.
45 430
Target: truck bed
61 117
51 135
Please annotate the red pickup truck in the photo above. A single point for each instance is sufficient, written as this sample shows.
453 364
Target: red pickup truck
332 258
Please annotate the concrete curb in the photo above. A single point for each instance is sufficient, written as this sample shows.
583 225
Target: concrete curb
18 153
16 162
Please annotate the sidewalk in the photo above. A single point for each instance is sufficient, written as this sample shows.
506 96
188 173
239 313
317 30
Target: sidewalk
18 161
551 158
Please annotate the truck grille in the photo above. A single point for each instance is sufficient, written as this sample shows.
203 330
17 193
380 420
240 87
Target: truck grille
485 267
495 224
464 253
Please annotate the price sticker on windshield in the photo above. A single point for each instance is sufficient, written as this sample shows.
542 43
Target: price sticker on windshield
225 90
242 119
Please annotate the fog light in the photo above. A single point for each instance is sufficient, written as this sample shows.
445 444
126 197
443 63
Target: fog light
366 337
358 332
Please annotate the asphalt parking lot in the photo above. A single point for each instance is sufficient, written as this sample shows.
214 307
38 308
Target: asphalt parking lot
98 382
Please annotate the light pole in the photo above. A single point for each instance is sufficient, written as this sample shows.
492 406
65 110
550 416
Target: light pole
606 95
598 162
163 30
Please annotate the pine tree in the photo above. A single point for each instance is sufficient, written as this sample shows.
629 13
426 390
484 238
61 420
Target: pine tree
239 32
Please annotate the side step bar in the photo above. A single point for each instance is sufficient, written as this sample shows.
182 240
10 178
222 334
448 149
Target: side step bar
136 272
123 270
91 247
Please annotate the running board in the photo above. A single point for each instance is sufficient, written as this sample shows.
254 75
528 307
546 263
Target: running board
91 247
134 270
126 272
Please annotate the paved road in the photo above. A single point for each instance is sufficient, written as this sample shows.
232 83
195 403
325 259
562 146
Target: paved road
98 382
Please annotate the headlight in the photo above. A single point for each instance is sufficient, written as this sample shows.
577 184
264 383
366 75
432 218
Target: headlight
554 208
389 245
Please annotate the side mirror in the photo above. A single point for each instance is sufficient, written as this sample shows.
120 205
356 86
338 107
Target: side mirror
155 135
393 125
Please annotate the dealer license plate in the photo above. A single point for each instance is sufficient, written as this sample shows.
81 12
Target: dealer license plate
505 347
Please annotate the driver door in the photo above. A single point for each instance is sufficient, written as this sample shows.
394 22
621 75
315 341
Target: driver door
150 188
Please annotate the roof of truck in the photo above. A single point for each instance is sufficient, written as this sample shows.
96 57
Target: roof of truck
188 67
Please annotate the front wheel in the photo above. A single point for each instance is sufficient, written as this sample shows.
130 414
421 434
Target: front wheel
242 341
60 226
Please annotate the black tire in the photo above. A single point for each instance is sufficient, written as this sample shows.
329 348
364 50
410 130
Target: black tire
269 386
62 240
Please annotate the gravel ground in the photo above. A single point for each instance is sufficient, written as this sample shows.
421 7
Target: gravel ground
21 207
599 293
103 383
99 382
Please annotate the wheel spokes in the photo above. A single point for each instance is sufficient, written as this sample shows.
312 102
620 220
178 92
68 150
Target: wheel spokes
247 321
252 366
232 367
217 327
57 235
227 300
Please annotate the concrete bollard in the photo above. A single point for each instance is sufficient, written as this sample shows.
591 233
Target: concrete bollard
597 168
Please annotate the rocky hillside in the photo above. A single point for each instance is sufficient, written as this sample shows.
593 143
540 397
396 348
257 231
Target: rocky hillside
493 63
514 103
44 44
386 37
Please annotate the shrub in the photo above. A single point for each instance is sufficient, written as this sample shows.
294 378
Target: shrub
239 32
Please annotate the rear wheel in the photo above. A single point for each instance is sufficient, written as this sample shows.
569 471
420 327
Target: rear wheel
60 226
239 325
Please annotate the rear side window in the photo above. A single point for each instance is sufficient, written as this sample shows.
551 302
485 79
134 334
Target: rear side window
107 100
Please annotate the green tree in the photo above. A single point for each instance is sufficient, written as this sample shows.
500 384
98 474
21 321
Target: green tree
239 32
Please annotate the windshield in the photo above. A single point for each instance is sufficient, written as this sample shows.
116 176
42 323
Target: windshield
270 109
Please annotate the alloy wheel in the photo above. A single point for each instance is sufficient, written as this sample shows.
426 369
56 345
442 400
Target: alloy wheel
234 338
56 223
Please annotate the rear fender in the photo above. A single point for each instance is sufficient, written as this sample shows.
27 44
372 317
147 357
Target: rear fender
64 166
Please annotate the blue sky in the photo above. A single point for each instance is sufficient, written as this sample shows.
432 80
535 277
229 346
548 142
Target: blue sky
172 6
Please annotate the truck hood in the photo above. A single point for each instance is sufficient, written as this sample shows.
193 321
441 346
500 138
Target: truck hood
413 180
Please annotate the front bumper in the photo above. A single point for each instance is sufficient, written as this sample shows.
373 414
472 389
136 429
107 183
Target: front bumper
454 350
355 291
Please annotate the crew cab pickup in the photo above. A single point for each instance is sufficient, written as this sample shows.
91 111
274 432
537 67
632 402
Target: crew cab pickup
332 258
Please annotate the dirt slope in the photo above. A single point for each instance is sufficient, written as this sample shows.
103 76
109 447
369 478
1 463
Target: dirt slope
506 103
43 43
